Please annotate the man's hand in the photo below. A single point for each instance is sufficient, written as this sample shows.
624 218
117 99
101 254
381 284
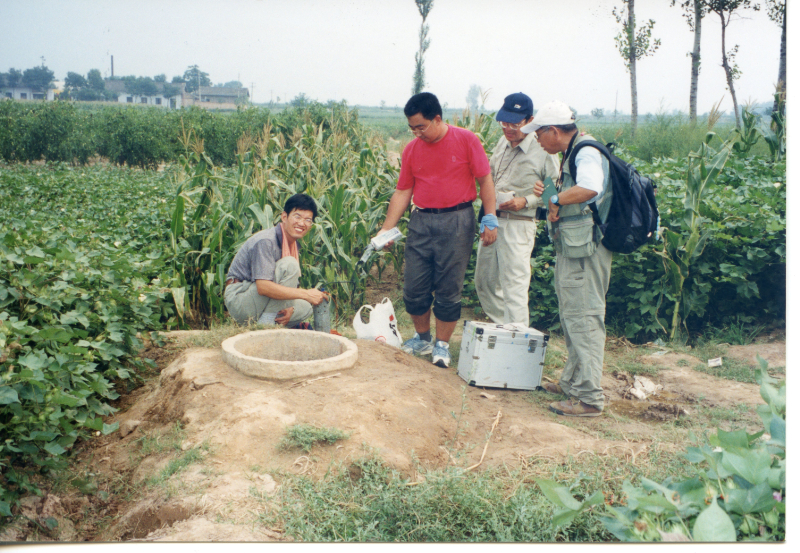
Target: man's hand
489 236
552 212
284 315
514 204
315 297
538 188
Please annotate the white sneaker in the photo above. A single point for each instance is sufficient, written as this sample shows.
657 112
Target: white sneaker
441 354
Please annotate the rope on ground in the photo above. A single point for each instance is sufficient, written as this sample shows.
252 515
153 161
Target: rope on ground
488 439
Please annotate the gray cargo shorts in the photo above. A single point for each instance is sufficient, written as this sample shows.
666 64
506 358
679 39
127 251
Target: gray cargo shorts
438 248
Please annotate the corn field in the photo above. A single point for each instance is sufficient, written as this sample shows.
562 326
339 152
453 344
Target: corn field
344 168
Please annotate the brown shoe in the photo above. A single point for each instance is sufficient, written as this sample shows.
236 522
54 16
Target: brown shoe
575 408
552 388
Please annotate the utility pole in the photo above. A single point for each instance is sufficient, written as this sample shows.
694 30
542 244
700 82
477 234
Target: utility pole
112 66
252 90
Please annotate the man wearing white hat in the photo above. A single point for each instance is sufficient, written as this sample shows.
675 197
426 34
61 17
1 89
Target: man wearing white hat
503 270
583 264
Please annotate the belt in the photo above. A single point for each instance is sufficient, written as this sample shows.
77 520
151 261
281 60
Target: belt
232 281
513 216
458 207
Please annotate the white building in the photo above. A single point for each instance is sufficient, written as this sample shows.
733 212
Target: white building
27 93
161 99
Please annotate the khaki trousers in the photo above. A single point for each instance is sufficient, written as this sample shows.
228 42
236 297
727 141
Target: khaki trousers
503 272
581 285
245 304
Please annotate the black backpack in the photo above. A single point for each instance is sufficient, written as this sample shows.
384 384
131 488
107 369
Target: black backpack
632 219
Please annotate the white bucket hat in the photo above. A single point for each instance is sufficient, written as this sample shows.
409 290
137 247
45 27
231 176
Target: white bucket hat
552 113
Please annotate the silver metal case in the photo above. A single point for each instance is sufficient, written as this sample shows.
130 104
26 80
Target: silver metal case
502 356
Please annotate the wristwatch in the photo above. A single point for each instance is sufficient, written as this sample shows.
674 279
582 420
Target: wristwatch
554 200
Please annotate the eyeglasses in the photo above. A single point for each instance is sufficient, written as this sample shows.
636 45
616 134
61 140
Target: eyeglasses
300 219
511 126
416 131
540 131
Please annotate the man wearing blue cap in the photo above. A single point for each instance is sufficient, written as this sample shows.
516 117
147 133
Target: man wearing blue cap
503 270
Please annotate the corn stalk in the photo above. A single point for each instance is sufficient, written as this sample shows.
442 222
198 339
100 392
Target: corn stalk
681 250
215 211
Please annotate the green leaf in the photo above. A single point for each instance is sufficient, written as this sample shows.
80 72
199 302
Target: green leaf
5 509
42 435
753 465
54 449
777 430
757 499
109 428
713 525
8 395
558 494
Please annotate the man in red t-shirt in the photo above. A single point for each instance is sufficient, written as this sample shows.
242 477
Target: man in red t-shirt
438 170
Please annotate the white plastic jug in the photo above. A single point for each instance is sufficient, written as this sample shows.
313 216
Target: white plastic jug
382 325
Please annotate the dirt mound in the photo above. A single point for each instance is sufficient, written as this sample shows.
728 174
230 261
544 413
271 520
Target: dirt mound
411 413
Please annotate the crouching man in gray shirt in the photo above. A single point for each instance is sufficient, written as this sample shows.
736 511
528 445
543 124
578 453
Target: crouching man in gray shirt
263 278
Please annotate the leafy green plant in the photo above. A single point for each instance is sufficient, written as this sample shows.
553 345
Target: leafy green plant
681 251
736 494
774 132
75 302
305 436
748 135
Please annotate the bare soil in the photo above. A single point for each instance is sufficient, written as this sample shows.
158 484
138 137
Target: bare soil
412 413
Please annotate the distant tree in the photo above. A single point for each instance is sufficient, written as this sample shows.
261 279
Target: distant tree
160 78
597 113
94 79
140 86
473 96
693 12
232 84
38 78
776 9
13 78
300 101
383 104
725 10
424 7
195 78
170 90
634 44
74 81
177 79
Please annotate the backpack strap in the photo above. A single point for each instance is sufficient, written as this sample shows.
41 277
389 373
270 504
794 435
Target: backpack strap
605 151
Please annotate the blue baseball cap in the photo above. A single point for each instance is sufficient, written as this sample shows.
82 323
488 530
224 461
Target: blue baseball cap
516 107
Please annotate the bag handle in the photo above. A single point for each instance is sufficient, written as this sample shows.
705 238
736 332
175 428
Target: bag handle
357 319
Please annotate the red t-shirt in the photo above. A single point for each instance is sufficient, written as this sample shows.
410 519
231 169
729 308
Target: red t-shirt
443 174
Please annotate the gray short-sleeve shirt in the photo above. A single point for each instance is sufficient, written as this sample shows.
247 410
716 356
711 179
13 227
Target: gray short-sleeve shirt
257 257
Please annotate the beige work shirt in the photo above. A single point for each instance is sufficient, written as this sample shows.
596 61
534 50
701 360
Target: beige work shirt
517 169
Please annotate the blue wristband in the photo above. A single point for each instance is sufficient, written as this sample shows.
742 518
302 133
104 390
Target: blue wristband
489 221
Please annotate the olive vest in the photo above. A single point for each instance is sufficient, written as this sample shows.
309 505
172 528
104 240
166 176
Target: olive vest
575 234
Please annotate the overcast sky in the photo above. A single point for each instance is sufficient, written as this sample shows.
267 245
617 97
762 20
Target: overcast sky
362 51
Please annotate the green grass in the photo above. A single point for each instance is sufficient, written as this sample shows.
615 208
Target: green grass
179 463
740 332
161 443
306 436
731 369
367 501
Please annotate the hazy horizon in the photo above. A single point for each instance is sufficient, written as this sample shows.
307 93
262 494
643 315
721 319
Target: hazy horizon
363 53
